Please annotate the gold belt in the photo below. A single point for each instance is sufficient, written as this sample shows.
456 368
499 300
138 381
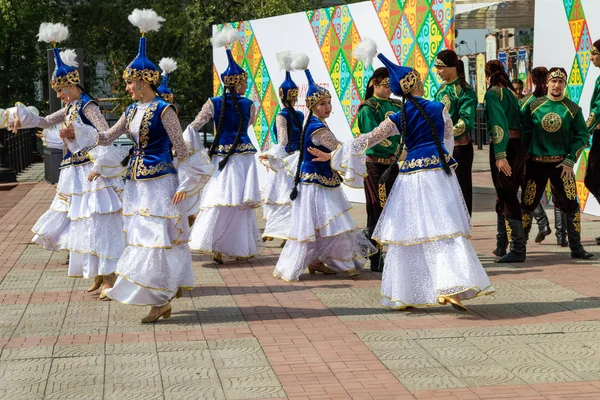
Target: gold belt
386 161
547 159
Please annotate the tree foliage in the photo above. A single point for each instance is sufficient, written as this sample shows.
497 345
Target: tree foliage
101 28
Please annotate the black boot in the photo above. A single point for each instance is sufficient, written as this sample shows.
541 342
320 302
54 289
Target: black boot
560 224
377 258
518 244
541 218
501 237
598 240
574 234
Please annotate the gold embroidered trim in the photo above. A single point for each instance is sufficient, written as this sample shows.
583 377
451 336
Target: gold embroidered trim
508 230
147 75
500 155
551 122
547 159
594 51
568 163
423 162
526 218
333 181
591 119
577 222
497 134
558 74
71 78
232 80
439 63
408 83
460 128
423 240
168 97
319 95
570 188
145 125
530 191
382 195
446 102
292 94
141 169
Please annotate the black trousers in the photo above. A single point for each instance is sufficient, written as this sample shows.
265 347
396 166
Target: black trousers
464 155
507 187
564 191
377 194
592 175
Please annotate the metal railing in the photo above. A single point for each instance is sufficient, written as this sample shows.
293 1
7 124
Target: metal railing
17 152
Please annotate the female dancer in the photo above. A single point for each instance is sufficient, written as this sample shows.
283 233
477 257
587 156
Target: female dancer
430 259
322 234
85 214
157 263
226 223
277 206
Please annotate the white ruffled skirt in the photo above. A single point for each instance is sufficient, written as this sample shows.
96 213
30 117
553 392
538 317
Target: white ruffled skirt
156 261
85 218
226 221
426 226
277 205
322 229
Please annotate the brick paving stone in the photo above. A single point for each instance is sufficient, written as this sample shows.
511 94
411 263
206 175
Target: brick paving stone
242 334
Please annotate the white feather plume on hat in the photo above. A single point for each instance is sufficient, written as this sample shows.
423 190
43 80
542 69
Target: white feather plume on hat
285 59
365 51
225 37
146 20
53 33
300 61
69 57
167 65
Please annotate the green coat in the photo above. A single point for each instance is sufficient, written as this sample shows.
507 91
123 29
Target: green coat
594 118
461 104
373 112
502 112
554 129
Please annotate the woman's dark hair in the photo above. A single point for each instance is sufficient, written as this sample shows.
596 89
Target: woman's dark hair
539 75
451 60
217 138
292 119
434 133
378 75
495 71
294 192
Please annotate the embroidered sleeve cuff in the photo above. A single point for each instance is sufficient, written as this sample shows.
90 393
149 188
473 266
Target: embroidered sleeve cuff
500 155
349 161
86 138
194 172
107 160
459 128
569 162
51 137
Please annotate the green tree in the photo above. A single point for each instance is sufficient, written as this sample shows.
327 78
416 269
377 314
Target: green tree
101 28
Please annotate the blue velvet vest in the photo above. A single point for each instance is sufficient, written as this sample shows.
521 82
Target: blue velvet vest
231 124
422 154
317 173
296 124
151 156
74 113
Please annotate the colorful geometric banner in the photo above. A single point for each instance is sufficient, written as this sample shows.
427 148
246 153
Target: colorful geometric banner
247 53
337 37
418 30
583 44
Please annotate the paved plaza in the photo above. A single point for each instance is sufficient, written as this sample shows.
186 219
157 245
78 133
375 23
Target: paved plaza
241 334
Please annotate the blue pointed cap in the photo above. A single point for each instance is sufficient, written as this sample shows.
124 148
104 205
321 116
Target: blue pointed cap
63 75
315 93
141 68
288 89
234 74
164 91
402 79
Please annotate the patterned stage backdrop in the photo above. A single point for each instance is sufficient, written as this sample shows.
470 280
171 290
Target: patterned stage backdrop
260 87
413 31
562 24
